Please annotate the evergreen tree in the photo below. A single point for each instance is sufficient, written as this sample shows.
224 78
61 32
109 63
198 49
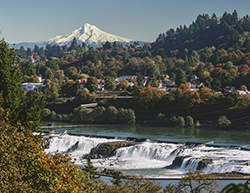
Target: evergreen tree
107 45
28 113
215 58
36 50
116 179
28 68
216 84
29 53
74 44
90 168
180 78
51 63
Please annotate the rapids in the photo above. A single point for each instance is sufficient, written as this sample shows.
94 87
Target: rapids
153 159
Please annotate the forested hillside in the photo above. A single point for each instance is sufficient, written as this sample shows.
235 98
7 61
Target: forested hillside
221 32
212 51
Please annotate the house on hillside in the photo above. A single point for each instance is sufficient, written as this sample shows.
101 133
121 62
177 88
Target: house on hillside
195 84
168 83
80 84
32 86
128 78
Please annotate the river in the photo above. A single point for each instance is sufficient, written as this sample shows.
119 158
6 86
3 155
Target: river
149 158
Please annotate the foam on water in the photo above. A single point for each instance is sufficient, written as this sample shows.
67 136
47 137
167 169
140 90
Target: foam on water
149 158
61 144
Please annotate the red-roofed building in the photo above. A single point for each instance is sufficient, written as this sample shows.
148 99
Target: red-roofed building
195 84
80 83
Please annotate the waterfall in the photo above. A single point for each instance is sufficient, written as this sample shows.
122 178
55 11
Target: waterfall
62 144
153 157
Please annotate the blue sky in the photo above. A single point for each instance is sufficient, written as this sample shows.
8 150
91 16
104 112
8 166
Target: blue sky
144 20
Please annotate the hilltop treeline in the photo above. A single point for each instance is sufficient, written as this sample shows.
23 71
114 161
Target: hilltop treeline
212 50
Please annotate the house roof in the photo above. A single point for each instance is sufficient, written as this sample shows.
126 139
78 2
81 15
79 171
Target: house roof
90 105
194 82
80 81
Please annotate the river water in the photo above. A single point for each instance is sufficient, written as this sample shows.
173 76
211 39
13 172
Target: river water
161 150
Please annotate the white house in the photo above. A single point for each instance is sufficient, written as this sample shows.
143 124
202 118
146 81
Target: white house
31 86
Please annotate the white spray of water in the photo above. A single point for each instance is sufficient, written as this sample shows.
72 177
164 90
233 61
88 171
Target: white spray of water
149 158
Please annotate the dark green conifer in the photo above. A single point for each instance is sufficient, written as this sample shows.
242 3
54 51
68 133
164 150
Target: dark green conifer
90 168
26 112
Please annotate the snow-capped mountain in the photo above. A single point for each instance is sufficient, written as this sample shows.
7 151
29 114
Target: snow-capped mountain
89 34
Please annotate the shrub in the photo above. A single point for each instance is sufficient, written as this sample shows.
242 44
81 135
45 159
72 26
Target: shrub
173 121
189 121
180 121
110 114
223 121
52 97
53 115
59 117
161 119
97 114
65 117
129 116
46 113
198 124
243 102
102 102
243 87
82 115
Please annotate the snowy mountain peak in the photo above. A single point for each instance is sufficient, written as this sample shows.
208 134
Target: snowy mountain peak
87 33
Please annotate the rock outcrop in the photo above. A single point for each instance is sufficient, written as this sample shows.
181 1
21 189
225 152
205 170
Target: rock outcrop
73 147
177 162
106 150
203 163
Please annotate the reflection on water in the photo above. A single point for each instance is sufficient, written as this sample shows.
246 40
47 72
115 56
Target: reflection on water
221 137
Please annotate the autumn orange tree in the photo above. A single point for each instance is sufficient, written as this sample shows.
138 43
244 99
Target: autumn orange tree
26 168
123 84
205 94
149 97
190 99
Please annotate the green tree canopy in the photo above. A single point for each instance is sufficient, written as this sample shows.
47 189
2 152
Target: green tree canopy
180 78
27 112
28 68
109 83
92 84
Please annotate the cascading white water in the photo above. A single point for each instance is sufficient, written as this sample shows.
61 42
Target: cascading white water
189 163
61 144
149 158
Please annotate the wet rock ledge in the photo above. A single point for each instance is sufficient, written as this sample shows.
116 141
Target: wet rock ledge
106 150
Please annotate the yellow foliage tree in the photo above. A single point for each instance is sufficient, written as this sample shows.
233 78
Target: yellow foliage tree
205 94
184 87
190 98
149 97
26 168
123 84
